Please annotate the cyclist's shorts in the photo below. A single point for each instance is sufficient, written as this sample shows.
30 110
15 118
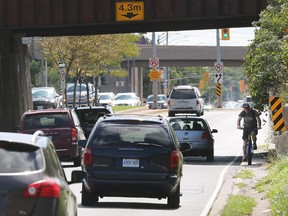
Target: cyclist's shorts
246 132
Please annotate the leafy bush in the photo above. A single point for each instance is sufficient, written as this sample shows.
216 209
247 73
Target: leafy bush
278 187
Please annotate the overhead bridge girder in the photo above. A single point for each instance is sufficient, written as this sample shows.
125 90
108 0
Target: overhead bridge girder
79 17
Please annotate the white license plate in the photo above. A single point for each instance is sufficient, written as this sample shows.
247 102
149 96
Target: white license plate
130 163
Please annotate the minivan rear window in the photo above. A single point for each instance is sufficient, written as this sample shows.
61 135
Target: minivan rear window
183 94
117 133
18 158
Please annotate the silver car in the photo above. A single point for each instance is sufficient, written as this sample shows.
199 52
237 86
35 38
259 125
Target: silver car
196 131
185 99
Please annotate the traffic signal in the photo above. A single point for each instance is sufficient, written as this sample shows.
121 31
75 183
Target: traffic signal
225 34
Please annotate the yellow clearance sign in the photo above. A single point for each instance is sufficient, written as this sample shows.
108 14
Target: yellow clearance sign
129 11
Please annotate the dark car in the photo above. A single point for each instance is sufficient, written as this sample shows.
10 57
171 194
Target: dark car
31 177
88 116
161 101
196 131
132 156
62 126
45 98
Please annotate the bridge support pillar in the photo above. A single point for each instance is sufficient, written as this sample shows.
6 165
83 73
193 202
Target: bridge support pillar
15 81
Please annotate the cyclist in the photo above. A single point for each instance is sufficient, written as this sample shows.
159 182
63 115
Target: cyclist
252 123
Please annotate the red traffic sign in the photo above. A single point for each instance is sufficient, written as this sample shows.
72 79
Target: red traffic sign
153 62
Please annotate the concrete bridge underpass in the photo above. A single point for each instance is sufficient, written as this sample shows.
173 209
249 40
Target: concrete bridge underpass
190 56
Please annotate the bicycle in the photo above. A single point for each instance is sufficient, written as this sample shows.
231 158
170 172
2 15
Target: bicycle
249 147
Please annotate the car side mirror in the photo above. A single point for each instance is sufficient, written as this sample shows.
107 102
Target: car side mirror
214 131
77 176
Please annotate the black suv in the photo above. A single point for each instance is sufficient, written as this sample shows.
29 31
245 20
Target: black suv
88 116
132 156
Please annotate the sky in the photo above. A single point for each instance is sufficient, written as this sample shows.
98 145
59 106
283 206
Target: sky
238 37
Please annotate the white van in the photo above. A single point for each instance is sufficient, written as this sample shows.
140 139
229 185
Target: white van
185 99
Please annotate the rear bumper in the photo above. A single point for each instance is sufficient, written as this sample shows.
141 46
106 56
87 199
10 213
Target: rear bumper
68 154
134 188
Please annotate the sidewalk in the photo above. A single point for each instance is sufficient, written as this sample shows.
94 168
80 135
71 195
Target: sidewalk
229 187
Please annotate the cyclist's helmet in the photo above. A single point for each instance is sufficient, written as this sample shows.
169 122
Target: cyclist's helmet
246 105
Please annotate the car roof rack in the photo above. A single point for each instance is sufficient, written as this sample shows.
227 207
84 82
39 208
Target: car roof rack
129 114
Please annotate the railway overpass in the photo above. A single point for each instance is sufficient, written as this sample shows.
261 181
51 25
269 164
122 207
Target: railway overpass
190 56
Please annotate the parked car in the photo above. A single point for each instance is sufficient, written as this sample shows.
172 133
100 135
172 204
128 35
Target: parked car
161 101
106 98
45 98
88 116
185 99
132 156
62 126
80 95
196 131
31 177
127 99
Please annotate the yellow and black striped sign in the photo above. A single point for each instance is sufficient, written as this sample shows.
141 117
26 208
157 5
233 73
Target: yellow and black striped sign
277 116
218 89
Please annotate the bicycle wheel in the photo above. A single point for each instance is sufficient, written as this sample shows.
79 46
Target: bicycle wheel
249 152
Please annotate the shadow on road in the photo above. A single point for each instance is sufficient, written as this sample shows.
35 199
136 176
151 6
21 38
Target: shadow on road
128 205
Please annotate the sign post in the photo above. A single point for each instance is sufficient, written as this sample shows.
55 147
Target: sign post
62 66
218 66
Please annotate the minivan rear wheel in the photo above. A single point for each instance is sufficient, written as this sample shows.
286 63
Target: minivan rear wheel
210 155
88 198
173 201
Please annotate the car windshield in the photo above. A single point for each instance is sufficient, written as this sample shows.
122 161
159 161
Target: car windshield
90 117
130 133
19 157
79 88
159 98
105 97
42 93
124 97
47 120
183 94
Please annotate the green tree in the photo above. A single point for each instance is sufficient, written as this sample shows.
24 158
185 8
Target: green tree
267 56
90 56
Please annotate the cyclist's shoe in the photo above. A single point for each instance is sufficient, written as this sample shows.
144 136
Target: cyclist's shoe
244 159
254 146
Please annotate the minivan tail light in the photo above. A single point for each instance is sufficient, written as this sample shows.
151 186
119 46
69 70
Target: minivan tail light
174 159
44 188
73 134
197 102
87 157
205 135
